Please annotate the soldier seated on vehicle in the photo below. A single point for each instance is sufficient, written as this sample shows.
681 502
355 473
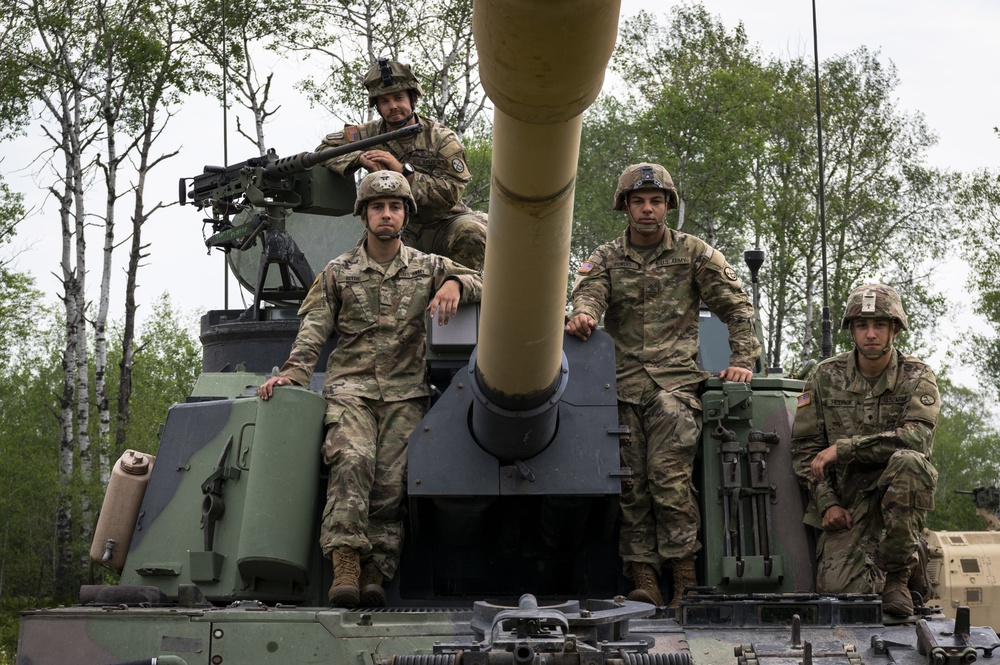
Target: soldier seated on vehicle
432 161
374 299
862 440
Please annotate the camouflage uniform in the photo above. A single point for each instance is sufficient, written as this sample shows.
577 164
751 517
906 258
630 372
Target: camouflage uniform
883 477
651 310
444 224
375 386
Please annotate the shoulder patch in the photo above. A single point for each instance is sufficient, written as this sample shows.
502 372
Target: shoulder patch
585 267
805 399
458 165
927 400
352 132
729 273
335 136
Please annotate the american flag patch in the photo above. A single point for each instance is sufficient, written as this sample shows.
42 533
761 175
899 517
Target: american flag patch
585 267
805 399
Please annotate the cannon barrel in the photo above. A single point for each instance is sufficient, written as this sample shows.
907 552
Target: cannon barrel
542 63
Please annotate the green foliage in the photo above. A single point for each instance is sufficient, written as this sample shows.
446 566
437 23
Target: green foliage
479 156
737 132
979 210
167 364
29 432
966 455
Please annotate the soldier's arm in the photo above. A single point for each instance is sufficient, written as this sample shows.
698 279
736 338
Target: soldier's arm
470 281
318 312
722 292
441 187
343 164
592 288
914 432
808 440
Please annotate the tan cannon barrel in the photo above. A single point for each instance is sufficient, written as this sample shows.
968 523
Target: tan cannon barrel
542 63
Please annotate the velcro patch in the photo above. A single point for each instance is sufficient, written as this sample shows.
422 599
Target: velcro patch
805 399
585 267
353 133
458 165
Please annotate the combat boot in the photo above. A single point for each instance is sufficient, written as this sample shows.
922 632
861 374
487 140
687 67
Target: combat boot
896 599
346 567
372 593
684 578
647 586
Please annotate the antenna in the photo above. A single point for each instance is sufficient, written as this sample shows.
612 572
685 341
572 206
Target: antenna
827 349
225 136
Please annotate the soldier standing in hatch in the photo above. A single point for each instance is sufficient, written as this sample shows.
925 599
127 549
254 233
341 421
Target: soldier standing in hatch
862 440
649 285
433 163
374 299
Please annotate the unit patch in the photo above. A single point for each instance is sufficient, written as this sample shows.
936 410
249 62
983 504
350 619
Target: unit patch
805 399
729 273
458 165
927 400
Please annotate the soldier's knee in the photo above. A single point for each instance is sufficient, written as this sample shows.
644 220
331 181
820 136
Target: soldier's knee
918 471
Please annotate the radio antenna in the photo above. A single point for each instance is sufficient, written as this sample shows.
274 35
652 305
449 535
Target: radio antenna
827 348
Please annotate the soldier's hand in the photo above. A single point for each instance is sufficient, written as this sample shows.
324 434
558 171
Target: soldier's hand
736 374
444 304
265 390
581 326
380 160
823 461
836 518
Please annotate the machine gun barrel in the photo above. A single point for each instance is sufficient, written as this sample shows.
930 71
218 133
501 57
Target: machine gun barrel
307 160
221 182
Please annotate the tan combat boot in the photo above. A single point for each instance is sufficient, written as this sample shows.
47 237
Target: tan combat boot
372 593
346 567
896 599
647 586
684 578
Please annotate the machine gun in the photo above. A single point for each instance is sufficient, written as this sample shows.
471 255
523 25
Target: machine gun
254 198
987 504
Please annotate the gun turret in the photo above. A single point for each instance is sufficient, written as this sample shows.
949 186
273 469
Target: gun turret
259 194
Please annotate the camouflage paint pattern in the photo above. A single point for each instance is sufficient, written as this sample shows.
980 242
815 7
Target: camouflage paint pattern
378 315
375 386
883 476
659 513
651 310
365 448
438 158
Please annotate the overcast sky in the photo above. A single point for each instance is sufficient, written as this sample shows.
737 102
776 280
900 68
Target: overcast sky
947 56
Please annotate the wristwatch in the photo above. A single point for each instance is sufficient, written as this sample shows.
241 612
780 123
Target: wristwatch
407 170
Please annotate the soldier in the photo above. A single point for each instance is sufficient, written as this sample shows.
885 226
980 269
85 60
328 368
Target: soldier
433 163
373 298
649 284
862 440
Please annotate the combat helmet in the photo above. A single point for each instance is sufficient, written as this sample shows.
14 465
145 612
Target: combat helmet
389 76
382 185
874 301
644 176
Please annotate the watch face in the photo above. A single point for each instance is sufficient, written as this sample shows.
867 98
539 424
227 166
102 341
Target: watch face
408 170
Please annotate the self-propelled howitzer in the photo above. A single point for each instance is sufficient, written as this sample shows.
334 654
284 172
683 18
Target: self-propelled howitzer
513 478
